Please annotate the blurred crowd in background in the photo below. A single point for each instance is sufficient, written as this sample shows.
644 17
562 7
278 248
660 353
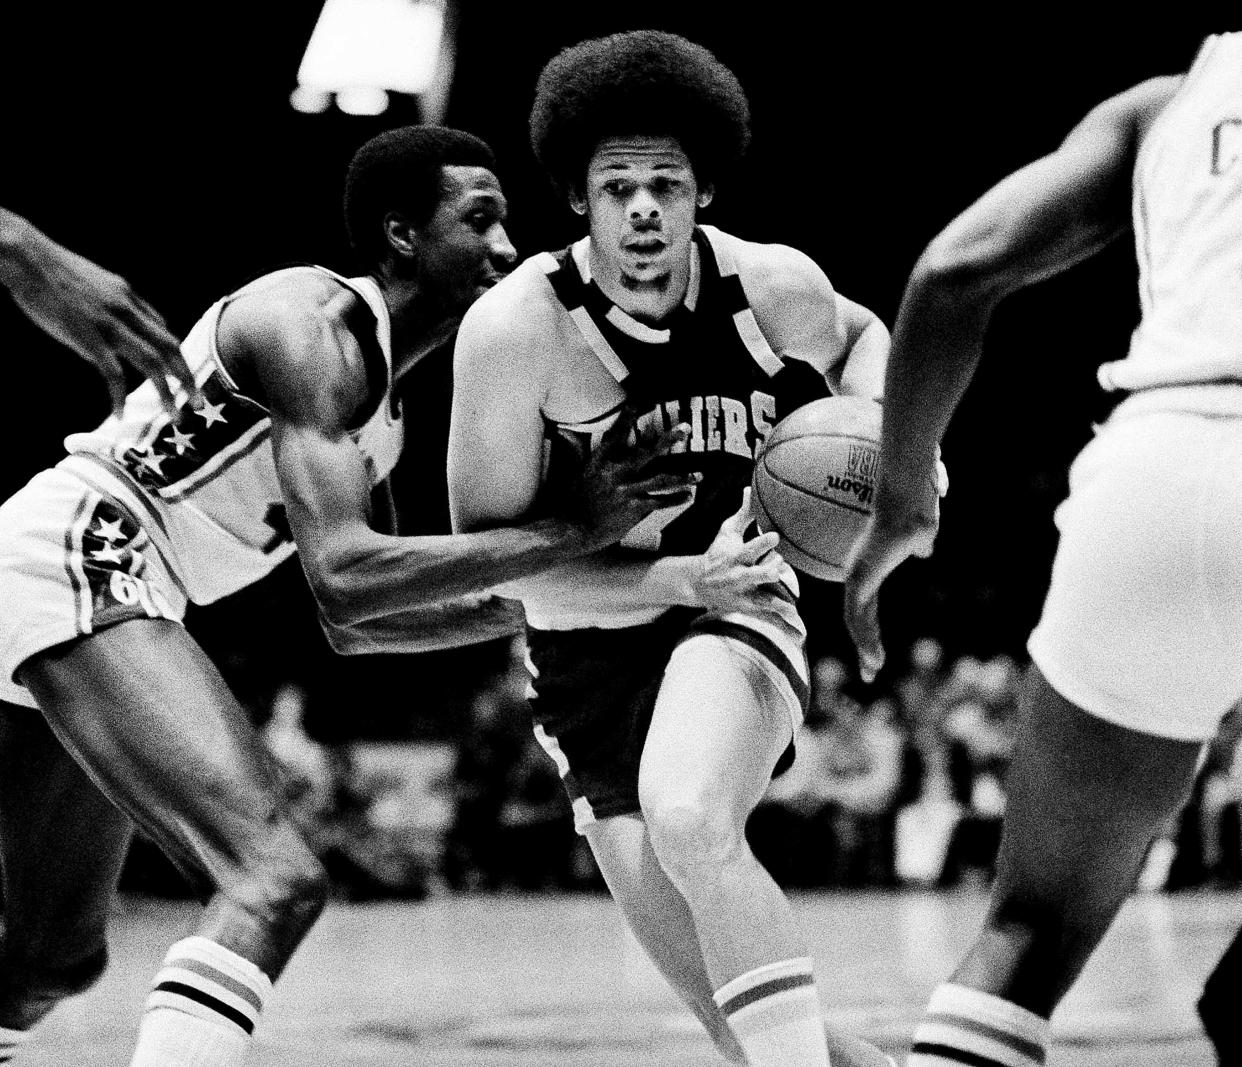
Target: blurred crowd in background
900 789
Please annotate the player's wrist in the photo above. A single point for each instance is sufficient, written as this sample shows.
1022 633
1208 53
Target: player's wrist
681 577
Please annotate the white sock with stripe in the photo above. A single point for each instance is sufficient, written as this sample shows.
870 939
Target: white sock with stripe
964 1027
11 1042
202 1009
776 1015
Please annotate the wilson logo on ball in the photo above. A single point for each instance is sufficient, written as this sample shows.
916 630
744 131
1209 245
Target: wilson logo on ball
862 491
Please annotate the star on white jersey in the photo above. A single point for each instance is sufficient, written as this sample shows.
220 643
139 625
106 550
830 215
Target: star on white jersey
107 554
211 413
181 441
152 460
110 531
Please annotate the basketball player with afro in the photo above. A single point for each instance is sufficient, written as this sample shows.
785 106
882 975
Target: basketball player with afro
670 674
291 423
1138 654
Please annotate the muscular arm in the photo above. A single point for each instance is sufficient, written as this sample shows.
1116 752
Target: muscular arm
1044 218
803 317
1041 220
315 382
463 621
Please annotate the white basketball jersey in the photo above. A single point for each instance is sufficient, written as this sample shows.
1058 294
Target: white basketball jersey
203 483
1188 232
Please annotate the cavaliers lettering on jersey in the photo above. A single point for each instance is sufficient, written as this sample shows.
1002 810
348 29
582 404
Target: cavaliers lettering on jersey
708 366
1187 205
203 483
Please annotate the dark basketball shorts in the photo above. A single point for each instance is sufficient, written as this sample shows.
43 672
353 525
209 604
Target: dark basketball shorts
73 561
593 693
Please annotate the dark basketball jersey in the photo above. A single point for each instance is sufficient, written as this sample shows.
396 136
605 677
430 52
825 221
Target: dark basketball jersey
708 365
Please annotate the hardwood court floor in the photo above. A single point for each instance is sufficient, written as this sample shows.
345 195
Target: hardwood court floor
512 981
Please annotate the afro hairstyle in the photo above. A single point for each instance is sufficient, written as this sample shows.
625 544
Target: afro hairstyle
642 83
400 170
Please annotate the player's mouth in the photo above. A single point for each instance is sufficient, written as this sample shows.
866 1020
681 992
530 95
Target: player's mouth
645 247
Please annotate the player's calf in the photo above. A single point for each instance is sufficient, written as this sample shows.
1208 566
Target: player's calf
207 997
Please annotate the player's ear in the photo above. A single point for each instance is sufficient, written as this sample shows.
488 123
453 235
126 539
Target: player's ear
577 201
401 235
705 195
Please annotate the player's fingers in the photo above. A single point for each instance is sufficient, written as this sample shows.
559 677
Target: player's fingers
740 519
757 547
661 445
660 501
665 483
617 435
922 543
97 352
158 353
862 622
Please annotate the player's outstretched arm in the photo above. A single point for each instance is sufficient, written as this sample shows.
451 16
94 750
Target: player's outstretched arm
450 624
1039 221
90 310
315 383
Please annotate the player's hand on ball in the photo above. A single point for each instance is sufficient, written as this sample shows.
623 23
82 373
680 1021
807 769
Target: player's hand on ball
900 527
736 574
617 493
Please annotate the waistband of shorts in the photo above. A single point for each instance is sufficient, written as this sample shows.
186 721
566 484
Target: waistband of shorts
105 477
1222 398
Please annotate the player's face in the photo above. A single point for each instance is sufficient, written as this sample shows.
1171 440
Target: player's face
641 197
463 250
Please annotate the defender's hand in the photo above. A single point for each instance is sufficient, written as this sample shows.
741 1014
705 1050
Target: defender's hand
899 528
736 574
616 494
97 314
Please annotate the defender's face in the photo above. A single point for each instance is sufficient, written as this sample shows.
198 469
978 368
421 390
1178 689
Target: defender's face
641 196
463 250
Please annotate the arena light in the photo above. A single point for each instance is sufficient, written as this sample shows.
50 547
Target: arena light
362 50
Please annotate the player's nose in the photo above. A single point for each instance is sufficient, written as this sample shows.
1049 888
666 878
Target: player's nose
643 207
500 247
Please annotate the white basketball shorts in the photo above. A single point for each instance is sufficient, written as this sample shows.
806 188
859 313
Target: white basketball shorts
1142 625
73 561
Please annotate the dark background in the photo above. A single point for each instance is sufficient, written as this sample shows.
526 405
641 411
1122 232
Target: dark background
159 141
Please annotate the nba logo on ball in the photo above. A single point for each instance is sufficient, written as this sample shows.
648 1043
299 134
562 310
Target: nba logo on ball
814 482
863 462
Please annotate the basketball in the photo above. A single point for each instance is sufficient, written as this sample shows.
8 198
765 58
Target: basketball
814 482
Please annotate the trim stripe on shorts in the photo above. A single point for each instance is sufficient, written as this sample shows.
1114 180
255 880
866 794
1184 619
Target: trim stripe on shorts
773 653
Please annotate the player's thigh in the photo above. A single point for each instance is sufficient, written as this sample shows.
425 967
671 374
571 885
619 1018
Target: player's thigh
146 712
719 726
62 845
1142 625
1085 798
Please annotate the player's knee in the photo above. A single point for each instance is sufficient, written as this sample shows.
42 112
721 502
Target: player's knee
691 838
